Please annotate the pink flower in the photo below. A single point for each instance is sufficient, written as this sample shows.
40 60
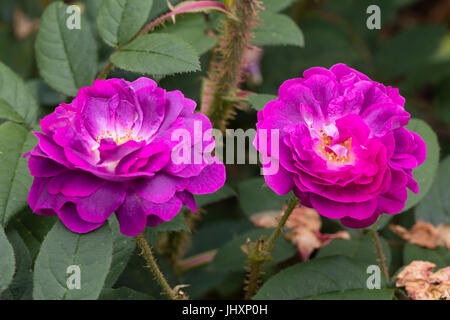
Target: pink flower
343 148
110 151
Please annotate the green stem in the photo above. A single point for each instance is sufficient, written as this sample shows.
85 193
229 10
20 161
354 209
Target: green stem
270 243
259 252
153 266
381 256
104 73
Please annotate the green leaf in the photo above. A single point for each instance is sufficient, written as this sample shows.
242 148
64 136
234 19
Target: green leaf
277 29
122 294
439 256
123 248
178 223
259 101
7 261
8 113
315 278
435 206
255 196
192 29
426 172
157 54
32 228
357 294
362 250
92 252
230 257
17 103
22 284
223 193
119 20
66 58
15 178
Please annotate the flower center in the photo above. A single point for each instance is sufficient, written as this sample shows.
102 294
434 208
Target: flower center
339 152
118 139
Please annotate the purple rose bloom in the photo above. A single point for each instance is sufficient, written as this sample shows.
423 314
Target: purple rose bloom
110 151
343 148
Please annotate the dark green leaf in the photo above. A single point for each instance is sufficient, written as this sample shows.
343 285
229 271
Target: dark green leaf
255 196
119 20
439 256
178 223
17 97
223 193
277 29
122 294
357 294
435 206
409 49
361 250
92 252
157 54
7 261
22 284
8 113
123 248
15 178
193 30
66 58
426 172
315 278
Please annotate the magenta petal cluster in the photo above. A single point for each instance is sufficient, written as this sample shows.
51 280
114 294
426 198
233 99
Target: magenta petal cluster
109 151
343 148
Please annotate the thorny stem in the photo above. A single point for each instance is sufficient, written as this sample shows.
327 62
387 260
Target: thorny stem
273 237
259 252
381 256
153 266
225 70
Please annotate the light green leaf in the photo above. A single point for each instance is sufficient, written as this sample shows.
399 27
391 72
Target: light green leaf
426 172
66 58
223 193
315 278
7 261
230 257
259 101
439 256
17 97
119 20
255 196
92 252
157 54
123 248
22 284
277 29
15 178
435 206
361 250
